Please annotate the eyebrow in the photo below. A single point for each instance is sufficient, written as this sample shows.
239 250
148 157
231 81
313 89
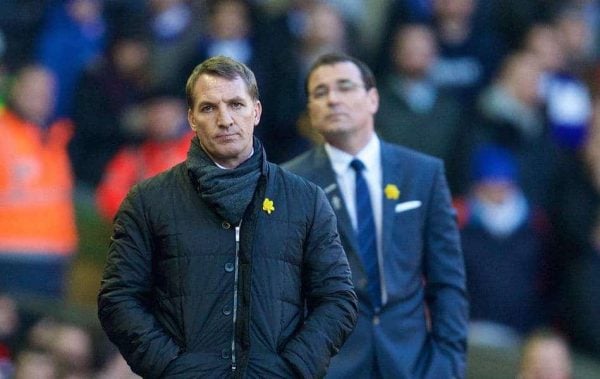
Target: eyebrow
233 99
236 99
339 81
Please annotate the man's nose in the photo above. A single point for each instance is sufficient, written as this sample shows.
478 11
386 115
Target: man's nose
333 96
224 119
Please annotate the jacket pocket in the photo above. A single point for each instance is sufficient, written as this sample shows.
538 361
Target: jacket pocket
290 323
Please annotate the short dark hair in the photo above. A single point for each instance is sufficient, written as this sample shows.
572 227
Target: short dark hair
333 58
223 67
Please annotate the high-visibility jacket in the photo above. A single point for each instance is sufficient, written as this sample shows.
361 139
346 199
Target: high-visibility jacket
134 164
36 187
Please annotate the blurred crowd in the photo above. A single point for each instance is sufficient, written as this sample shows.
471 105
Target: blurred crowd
504 91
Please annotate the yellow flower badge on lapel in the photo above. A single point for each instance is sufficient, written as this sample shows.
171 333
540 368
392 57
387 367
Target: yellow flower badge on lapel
391 192
268 205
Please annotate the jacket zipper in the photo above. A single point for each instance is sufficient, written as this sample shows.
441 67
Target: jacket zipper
235 295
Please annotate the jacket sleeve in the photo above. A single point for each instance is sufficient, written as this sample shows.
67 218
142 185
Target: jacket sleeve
445 288
331 301
125 298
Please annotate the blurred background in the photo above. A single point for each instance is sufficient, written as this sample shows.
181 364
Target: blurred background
506 92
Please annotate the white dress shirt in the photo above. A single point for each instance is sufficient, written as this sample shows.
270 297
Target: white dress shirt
370 155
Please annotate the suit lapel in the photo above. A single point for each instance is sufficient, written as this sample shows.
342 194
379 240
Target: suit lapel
324 176
392 174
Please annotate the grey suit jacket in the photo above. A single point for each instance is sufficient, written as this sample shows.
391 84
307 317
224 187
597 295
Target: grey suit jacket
421 331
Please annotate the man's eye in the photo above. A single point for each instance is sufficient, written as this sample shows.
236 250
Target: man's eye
346 86
206 108
320 93
237 105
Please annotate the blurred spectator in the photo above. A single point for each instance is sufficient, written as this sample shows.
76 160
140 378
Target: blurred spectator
72 350
468 53
576 28
413 110
35 364
69 345
37 221
325 31
398 13
306 30
72 37
466 60
511 115
230 32
166 142
566 98
104 104
174 31
545 355
502 238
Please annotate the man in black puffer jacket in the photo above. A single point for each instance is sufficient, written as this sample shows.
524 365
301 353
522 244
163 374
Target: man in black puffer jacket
226 265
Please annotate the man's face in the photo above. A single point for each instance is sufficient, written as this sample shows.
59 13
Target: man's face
224 116
33 95
338 103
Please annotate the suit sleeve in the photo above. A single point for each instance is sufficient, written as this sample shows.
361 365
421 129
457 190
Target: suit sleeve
125 301
332 303
444 272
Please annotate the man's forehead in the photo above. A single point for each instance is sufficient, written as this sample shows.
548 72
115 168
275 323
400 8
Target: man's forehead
332 73
209 86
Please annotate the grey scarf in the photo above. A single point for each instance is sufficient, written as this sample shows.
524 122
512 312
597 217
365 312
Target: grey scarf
229 192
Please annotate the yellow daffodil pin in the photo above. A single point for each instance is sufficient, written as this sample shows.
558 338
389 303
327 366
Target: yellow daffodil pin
268 205
391 192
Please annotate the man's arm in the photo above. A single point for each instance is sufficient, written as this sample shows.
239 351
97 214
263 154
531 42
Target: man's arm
444 272
125 298
332 303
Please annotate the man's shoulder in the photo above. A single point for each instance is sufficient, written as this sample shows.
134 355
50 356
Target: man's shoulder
291 178
304 163
396 153
165 179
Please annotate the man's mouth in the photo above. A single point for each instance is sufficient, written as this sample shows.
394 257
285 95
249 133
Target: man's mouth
335 116
226 136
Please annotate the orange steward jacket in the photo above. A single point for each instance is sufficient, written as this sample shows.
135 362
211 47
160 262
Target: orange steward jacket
36 205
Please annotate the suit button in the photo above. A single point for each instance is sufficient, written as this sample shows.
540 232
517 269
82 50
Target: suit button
225 353
226 225
229 267
376 320
226 310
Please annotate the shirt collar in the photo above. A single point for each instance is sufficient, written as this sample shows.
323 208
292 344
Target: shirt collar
369 155
227 168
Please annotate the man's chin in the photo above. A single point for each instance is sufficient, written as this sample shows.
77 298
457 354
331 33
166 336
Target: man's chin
334 130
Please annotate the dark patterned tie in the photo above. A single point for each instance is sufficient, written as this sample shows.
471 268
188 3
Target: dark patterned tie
366 235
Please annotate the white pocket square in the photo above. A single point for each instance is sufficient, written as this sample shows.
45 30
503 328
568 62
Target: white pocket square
407 205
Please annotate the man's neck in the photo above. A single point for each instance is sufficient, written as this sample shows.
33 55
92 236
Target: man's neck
351 144
223 166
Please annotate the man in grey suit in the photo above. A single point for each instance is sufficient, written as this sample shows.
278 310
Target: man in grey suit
398 228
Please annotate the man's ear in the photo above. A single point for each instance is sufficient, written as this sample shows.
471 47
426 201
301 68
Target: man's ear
257 112
190 118
373 102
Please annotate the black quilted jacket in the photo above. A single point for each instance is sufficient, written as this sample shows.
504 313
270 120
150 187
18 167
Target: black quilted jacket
185 294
